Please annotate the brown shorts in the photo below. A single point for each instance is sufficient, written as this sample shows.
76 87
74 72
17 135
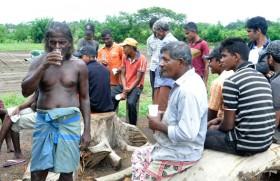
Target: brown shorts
161 95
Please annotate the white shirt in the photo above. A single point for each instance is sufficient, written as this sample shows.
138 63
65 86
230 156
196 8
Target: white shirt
254 54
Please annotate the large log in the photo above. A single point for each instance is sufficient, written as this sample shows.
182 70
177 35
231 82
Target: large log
220 166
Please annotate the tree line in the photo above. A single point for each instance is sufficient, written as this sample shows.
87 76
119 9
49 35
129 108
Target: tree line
135 25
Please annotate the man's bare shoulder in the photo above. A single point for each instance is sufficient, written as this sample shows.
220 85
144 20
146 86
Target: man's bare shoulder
77 62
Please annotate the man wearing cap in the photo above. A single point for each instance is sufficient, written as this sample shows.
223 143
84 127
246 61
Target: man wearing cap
215 104
272 53
88 38
99 81
132 78
111 56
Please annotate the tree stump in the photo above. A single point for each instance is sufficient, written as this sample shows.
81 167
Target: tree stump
107 133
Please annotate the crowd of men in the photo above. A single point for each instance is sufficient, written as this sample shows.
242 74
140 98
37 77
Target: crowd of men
241 116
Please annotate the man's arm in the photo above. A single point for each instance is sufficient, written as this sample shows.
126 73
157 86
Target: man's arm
123 79
206 72
27 103
136 82
228 122
156 124
24 105
212 114
33 77
84 105
277 118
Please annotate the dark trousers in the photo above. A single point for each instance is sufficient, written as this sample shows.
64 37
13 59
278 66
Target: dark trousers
131 101
152 81
217 140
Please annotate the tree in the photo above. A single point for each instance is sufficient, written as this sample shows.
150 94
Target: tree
21 32
38 29
3 33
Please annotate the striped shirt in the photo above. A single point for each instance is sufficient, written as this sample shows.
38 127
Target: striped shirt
249 94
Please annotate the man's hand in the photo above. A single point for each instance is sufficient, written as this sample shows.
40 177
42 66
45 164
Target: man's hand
156 124
214 123
85 141
15 111
52 58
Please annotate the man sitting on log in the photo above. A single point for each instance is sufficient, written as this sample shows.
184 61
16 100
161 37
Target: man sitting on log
99 81
7 136
17 119
249 117
180 133
132 78
272 53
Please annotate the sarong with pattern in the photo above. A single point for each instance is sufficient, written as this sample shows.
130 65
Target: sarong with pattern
144 169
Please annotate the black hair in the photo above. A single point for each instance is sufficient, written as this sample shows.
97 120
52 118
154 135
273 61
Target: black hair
61 28
106 32
236 45
152 21
256 23
191 26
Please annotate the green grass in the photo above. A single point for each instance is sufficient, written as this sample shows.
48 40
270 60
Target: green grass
12 99
21 46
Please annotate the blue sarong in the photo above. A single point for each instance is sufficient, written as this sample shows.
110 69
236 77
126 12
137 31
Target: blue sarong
56 140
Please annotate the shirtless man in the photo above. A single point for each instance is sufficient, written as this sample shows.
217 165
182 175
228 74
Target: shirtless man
63 92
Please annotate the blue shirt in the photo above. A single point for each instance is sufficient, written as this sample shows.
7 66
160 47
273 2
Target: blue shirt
186 119
159 80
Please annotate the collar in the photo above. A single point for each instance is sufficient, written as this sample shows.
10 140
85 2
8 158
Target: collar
181 79
244 65
136 58
253 44
114 44
91 61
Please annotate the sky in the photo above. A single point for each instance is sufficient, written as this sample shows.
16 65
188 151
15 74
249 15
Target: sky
209 11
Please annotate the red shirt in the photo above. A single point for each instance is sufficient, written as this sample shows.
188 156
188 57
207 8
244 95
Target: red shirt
199 49
132 67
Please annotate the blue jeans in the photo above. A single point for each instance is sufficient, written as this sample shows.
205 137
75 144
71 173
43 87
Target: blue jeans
217 140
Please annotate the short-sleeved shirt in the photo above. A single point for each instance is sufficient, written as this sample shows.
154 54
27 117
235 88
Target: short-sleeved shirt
114 56
83 42
200 48
275 87
216 97
249 94
99 88
134 66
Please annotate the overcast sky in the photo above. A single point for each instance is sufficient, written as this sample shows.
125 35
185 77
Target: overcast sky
210 11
